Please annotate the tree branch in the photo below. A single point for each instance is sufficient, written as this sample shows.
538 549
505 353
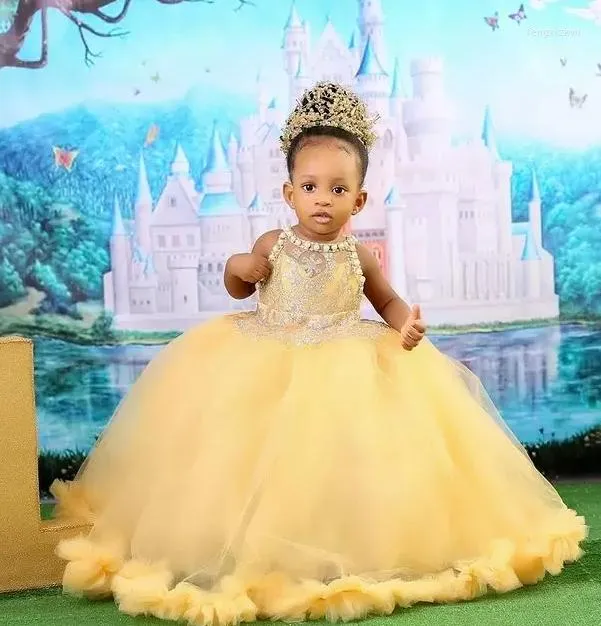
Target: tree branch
12 41
31 65
180 1
82 26
112 19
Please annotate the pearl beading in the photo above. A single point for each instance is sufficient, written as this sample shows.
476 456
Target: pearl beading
348 244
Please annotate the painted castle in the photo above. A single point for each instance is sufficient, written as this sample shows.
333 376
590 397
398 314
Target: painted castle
438 219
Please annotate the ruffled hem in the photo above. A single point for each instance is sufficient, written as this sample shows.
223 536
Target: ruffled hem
100 570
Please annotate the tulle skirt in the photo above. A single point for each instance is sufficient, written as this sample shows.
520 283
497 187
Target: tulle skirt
244 478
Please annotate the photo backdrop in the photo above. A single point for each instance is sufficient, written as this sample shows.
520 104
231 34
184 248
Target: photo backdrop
139 149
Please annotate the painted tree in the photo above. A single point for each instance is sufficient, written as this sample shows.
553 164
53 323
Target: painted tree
18 16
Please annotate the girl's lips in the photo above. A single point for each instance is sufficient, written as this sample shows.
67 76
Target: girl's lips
322 218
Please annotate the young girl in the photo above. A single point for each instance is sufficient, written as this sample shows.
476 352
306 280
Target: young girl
296 462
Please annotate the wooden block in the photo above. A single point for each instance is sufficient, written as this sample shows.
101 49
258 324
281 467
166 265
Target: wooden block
27 543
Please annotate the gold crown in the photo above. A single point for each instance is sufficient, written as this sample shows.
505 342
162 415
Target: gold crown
330 104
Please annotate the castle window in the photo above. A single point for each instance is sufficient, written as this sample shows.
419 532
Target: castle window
190 240
147 301
162 242
185 299
175 241
275 169
210 268
172 201
275 194
220 267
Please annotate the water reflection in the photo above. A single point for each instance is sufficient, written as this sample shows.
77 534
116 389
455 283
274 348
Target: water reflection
545 381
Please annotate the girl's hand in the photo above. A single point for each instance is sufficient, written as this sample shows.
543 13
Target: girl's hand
413 329
250 267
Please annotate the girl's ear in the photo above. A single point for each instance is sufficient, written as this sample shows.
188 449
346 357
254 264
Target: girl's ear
360 202
287 193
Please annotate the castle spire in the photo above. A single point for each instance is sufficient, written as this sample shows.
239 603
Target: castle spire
300 71
144 195
180 165
217 159
534 189
488 134
371 26
395 90
294 20
143 209
370 65
118 225
256 207
394 198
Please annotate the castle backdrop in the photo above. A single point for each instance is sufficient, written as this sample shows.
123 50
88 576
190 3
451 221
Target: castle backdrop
139 149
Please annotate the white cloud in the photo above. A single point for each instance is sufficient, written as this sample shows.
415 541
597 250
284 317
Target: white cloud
591 13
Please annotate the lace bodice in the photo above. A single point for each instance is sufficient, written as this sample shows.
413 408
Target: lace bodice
314 291
311 279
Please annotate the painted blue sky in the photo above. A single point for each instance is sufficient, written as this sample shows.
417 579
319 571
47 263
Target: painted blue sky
516 69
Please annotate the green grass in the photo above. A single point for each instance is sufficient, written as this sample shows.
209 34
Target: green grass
571 599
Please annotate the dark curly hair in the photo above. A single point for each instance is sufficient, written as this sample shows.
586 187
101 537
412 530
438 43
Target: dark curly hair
329 131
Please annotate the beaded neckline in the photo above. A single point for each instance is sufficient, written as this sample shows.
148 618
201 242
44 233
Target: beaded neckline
316 246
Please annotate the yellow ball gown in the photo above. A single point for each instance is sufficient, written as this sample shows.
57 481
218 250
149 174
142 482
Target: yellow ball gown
295 462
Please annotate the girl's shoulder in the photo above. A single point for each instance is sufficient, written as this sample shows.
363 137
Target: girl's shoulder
265 243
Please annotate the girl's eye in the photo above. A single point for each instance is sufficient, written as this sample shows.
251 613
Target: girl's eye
308 187
339 190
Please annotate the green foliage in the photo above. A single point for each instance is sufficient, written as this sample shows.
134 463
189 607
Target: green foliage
102 329
57 465
11 285
568 458
41 248
573 235
100 333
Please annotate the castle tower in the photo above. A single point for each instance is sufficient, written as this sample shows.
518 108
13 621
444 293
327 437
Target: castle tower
120 262
371 26
217 174
180 167
427 116
184 280
395 229
246 167
355 47
232 150
372 81
501 181
534 212
262 97
258 218
143 209
397 98
295 42
396 93
488 135
301 82
272 112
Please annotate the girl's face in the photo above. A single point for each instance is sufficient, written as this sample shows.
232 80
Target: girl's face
326 188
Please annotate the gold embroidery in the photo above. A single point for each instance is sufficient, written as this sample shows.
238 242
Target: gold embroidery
314 293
